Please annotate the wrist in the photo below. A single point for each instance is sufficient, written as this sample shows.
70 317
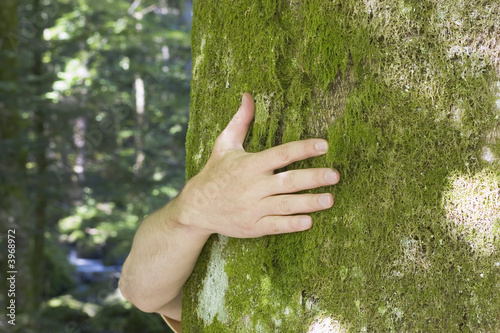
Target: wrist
183 215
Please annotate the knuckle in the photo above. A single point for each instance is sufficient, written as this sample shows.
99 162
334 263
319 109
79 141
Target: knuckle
321 177
313 202
289 181
224 179
283 153
284 206
275 227
199 198
308 148
211 190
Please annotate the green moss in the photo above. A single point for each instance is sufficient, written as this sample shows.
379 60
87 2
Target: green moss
405 92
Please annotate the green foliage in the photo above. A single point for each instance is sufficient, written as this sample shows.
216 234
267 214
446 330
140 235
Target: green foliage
67 314
405 94
117 318
62 314
100 230
71 134
61 272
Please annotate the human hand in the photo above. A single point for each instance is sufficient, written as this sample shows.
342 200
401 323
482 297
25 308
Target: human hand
237 193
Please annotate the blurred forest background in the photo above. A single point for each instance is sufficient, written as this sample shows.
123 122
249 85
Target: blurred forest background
94 98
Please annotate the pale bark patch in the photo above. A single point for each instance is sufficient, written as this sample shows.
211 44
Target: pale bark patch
472 205
327 325
212 295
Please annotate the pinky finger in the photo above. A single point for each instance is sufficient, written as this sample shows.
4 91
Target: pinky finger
274 225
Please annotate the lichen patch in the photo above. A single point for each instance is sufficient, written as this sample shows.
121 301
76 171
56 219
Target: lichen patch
198 61
215 283
414 256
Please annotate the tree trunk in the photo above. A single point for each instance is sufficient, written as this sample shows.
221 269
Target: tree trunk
37 257
406 92
140 105
12 203
15 208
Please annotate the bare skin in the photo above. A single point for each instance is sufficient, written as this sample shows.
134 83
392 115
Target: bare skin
236 194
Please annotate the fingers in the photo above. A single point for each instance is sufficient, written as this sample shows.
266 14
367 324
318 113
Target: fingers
298 203
279 207
234 134
299 180
280 156
273 225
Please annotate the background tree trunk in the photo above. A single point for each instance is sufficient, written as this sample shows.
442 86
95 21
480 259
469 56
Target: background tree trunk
140 105
15 208
406 92
13 203
37 256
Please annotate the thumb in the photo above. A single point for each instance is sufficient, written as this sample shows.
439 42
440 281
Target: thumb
234 134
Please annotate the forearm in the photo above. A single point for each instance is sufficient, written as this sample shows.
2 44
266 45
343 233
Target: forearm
162 257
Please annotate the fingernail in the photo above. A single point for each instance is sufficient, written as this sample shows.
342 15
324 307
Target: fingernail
305 222
331 177
321 146
325 200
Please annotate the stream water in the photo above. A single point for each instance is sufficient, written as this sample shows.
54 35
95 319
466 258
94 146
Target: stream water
92 270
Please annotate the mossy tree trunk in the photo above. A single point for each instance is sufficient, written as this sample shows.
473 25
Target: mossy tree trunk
406 92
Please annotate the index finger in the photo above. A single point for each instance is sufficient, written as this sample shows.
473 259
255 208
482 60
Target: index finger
282 155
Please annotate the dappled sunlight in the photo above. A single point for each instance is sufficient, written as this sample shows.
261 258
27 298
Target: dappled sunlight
327 325
472 207
413 257
68 301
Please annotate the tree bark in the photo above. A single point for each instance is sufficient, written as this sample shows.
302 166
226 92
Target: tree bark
15 207
40 205
407 95
140 105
